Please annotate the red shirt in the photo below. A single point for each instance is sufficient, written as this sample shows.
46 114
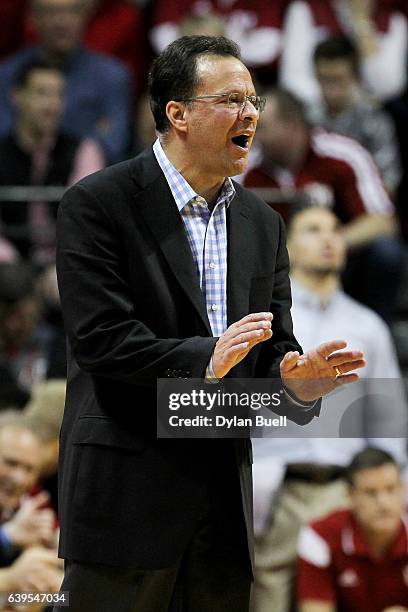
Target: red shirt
337 173
256 25
335 565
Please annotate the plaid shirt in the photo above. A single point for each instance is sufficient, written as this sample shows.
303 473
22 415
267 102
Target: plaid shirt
207 235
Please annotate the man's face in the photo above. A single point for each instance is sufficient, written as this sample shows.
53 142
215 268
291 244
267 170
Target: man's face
18 322
337 81
60 23
277 136
212 123
315 242
377 498
40 100
20 453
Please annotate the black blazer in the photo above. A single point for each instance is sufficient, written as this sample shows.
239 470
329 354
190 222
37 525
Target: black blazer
134 312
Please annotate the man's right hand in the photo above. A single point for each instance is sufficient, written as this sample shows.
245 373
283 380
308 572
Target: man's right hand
240 337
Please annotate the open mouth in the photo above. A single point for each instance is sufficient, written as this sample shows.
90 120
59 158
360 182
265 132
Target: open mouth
241 141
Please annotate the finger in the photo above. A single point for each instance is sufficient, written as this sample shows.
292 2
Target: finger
254 317
346 379
349 367
325 349
337 359
258 335
239 329
38 500
289 360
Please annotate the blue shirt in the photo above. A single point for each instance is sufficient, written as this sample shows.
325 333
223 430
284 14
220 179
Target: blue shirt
97 98
207 235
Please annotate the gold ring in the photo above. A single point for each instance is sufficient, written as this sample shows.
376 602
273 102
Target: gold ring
338 371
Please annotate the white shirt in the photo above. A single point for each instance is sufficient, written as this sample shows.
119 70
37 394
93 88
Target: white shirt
341 318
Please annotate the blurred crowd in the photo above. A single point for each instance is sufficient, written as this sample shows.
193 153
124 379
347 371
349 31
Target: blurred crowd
330 155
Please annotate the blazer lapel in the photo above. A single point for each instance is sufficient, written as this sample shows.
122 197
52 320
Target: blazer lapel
239 259
160 213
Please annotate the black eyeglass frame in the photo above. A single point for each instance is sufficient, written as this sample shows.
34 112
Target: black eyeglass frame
258 102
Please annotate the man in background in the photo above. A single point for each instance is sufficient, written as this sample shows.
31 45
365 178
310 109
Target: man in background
297 480
37 152
337 173
98 89
28 559
347 111
357 559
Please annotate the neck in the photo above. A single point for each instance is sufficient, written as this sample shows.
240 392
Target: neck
379 543
322 284
205 185
29 138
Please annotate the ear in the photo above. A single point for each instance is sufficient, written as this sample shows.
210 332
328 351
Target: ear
177 115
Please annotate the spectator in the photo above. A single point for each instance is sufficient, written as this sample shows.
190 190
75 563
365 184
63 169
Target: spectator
27 528
114 27
254 24
298 480
97 87
23 357
36 152
357 559
335 172
346 111
378 28
44 416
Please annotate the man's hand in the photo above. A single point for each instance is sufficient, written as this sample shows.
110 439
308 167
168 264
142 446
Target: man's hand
32 525
320 370
396 609
240 337
36 570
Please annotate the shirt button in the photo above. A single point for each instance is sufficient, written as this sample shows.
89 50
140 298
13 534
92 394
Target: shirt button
212 265
213 307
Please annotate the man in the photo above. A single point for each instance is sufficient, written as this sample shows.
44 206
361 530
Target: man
346 111
23 352
24 521
296 481
357 559
142 264
335 172
28 560
97 87
37 153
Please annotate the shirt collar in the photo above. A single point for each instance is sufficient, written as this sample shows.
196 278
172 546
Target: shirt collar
304 296
181 190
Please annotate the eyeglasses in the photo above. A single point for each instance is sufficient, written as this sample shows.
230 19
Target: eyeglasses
235 101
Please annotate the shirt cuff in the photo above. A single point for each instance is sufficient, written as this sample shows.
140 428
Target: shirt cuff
210 377
295 400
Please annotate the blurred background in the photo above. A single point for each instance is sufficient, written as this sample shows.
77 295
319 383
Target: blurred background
330 155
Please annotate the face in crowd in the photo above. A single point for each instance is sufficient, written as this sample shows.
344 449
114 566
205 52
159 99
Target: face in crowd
315 242
337 82
39 101
59 24
377 498
20 453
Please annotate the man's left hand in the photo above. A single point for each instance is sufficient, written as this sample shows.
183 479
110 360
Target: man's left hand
320 370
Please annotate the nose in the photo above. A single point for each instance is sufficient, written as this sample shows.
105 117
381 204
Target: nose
249 111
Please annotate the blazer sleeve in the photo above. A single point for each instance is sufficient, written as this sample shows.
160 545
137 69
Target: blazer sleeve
104 336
